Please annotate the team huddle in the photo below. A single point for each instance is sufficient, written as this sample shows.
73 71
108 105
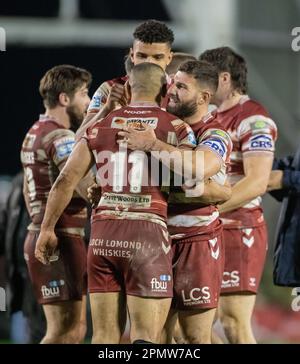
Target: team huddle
178 237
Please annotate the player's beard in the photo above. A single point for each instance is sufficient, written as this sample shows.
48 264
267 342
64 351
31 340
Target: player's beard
76 117
183 110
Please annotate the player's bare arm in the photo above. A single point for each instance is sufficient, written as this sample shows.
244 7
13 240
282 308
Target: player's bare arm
257 171
275 181
146 140
77 166
214 193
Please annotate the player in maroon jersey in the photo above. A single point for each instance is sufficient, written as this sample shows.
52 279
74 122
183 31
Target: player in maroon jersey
130 257
59 287
253 133
194 223
152 42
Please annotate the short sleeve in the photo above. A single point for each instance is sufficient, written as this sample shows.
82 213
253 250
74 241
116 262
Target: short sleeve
257 134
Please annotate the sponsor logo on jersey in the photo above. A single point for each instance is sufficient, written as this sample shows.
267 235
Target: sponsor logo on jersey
196 295
259 124
64 147
119 122
160 284
137 112
29 141
216 144
231 279
122 200
52 289
261 141
252 281
191 138
96 102
27 157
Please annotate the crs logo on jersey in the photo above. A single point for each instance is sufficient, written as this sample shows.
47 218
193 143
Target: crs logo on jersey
261 141
161 284
196 295
216 144
231 279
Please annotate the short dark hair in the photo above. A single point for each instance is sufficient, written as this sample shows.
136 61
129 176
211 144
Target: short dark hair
227 60
203 72
177 59
62 78
153 31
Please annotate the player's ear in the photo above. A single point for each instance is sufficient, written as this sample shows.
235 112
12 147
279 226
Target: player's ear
131 54
63 99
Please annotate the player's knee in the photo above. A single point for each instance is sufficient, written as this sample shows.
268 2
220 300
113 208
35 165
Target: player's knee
232 326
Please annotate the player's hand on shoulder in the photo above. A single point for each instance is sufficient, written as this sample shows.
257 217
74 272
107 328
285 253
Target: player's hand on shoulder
116 97
142 138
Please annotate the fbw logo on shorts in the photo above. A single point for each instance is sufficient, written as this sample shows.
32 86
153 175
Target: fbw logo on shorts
2 299
161 284
53 289
296 301
2 40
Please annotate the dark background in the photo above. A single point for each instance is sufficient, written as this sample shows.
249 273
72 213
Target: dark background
21 67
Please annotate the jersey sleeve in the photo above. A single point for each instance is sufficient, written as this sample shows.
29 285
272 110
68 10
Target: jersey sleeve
184 135
257 134
58 145
218 141
99 98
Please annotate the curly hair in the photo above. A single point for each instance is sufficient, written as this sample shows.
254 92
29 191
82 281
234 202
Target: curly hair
226 59
154 31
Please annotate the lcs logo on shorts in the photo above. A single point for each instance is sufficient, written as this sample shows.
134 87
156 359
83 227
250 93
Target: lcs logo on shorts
231 279
196 296
161 284
53 289
216 144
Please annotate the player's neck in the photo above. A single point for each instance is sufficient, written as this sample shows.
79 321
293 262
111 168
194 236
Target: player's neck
199 115
142 100
230 101
60 115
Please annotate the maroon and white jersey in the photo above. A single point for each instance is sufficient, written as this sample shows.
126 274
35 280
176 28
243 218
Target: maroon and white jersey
100 96
131 180
45 148
253 132
187 216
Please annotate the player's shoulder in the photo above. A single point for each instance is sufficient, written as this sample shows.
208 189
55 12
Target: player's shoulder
53 132
121 80
251 107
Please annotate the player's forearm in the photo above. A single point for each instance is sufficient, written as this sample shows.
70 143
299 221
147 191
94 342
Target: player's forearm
194 164
84 184
243 192
215 193
59 197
